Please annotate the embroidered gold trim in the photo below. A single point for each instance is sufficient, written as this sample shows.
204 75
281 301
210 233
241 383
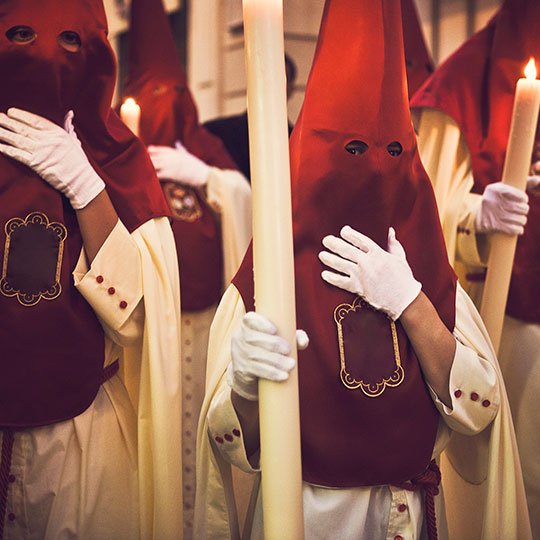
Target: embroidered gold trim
369 389
24 298
183 202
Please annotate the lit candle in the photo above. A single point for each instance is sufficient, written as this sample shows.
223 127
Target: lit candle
516 169
273 261
130 113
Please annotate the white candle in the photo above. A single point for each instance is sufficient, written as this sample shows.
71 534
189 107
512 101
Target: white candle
273 262
130 112
516 169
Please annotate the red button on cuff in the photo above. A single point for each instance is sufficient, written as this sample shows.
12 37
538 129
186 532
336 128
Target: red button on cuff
111 290
236 432
11 478
123 304
486 403
219 440
402 508
228 437
474 396
99 279
458 393
398 537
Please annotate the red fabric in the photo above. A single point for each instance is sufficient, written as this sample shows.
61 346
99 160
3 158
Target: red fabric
476 87
53 348
417 58
8 437
348 438
157 81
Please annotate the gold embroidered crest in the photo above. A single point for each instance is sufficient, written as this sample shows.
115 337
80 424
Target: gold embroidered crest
370 389
182 201
32 259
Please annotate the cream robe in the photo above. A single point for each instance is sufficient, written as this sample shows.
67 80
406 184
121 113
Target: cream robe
446 158
114 471
474 370
229 194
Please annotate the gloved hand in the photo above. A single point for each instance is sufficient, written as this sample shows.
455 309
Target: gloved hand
52 152
258 352
382 278
503 209
179 165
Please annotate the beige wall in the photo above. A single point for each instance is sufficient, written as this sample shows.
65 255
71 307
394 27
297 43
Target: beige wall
216 57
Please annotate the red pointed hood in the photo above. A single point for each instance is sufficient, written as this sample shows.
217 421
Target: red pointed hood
157 80
46 79
476 87
417 58
354 162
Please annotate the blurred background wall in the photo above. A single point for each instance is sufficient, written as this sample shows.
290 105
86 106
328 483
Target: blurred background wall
210 40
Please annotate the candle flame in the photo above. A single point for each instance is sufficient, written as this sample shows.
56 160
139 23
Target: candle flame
130 101
530 69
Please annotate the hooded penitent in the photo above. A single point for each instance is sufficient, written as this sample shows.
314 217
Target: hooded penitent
417 58
52 343
157 81
476 87
354 162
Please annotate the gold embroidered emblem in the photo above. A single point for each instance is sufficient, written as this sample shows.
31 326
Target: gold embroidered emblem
370 389
33 259
182 201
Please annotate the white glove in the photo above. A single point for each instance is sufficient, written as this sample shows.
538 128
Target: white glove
503 209
256 352
52 152
179 165
382 278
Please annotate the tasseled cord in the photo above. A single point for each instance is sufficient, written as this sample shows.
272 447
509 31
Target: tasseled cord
428 481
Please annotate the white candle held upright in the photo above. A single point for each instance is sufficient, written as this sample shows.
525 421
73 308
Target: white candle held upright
516 169
130 113
273 261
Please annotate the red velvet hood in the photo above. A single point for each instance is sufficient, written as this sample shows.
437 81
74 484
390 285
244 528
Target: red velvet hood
476 87
157 81
48 80
417 58
357 92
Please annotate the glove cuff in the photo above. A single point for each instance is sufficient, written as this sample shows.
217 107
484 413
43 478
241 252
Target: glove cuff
244 390
85 190
408 299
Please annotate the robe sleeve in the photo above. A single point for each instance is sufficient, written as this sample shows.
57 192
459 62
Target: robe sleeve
112 285
229 194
